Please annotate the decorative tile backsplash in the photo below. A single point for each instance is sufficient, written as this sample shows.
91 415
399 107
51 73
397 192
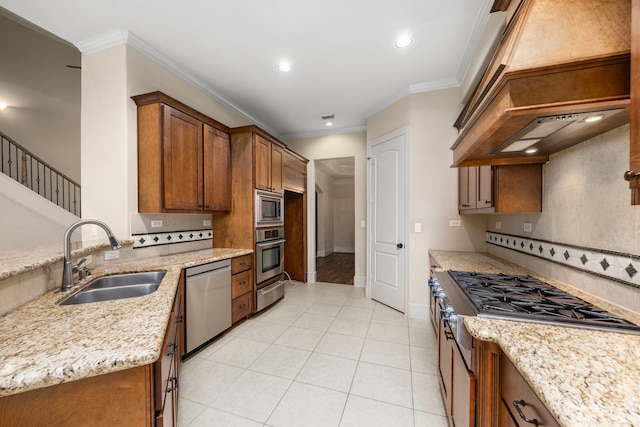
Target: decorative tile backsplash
168 238
621 267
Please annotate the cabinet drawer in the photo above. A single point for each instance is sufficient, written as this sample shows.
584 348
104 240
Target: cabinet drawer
240 283
241 307
241 263
514 388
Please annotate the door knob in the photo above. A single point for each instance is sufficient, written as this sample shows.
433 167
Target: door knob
399 246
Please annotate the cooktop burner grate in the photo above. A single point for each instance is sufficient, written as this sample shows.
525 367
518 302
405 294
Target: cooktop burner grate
528 298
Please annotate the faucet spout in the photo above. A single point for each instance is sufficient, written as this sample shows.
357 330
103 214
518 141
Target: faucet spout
67 272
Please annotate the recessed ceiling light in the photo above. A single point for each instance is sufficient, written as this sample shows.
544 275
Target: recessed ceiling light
329 124
530 150
285 67
3 105
403 41
594 118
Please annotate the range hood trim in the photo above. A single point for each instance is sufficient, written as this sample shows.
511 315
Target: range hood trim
509 96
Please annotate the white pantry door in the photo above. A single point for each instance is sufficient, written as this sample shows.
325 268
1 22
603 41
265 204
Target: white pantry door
386 236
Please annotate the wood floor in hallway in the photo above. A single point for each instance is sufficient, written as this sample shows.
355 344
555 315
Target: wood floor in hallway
336 268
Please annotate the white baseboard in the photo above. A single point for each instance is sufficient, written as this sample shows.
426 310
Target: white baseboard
359 281
311 276
418 311
320 253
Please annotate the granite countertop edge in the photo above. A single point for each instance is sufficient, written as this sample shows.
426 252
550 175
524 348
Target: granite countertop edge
583 376
47 344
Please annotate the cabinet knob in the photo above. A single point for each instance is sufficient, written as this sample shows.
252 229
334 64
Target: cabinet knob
199 206
243 305
209 206
487 202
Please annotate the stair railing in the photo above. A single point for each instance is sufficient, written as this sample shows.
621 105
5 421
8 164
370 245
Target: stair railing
21 165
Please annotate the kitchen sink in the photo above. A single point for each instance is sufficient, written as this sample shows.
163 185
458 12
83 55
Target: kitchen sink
117 286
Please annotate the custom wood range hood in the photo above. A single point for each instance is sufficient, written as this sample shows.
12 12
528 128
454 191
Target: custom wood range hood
559 76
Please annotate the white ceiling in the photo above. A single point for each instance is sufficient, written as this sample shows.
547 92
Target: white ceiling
342 51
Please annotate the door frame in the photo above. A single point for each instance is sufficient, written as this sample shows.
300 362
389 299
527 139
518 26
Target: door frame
404 132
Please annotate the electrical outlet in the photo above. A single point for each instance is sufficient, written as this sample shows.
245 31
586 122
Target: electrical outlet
527 227
156 223
94 230
363 224
206 223
498 225
111 255
454 223
417 227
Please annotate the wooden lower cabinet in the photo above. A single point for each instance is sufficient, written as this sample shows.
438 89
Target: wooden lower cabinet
457 383
242 287
499 385
141 396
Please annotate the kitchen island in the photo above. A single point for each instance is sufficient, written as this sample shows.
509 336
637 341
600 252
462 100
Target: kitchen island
584 377
46 344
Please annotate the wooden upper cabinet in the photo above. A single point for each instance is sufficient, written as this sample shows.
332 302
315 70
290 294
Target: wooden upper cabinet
268 165
217 169
184 158
295 172
181 157
500 189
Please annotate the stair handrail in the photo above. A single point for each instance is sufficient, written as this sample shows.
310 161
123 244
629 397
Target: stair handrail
21 168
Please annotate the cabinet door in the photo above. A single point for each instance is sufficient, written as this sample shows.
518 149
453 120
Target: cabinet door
462 391
182 160
277 169
217 170
484 197
262 163
445 361
467 188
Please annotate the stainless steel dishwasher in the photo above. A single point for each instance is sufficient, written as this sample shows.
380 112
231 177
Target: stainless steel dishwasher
208 290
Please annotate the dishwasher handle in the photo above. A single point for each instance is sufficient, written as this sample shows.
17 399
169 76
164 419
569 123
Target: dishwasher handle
193 273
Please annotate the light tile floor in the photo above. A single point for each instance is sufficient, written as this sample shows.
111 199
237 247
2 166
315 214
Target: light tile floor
324 356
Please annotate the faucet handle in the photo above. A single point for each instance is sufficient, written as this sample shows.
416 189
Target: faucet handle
84 272
76 268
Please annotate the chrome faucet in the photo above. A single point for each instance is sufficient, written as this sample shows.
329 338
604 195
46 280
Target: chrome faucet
67 272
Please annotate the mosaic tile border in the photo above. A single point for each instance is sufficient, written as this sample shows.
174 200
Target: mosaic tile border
617 266
169 238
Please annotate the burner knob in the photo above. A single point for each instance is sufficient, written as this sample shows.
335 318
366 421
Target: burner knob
453 318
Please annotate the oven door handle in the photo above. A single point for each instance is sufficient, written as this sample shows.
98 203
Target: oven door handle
271 243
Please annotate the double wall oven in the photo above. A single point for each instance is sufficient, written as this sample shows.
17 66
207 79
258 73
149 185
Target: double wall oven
269 266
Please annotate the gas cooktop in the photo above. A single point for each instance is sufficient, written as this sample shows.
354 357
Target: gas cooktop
527 298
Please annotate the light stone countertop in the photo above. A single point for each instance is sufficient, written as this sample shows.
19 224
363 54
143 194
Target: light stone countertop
584 377
44 344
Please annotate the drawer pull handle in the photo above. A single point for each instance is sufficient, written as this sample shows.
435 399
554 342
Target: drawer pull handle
517 404
174 380
243 305
171 349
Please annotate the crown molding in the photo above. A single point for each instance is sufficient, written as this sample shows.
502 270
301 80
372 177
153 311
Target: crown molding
116 37
431 86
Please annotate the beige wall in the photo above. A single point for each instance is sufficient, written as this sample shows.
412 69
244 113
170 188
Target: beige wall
324 190
109 127
344 215
331 147
432 187
585 203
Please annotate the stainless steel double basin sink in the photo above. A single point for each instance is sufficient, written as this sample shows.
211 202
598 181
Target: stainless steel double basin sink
117 286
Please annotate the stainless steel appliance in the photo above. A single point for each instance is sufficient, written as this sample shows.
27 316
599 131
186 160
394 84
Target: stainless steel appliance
269 253
269 209
208 290
269 294
269 265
